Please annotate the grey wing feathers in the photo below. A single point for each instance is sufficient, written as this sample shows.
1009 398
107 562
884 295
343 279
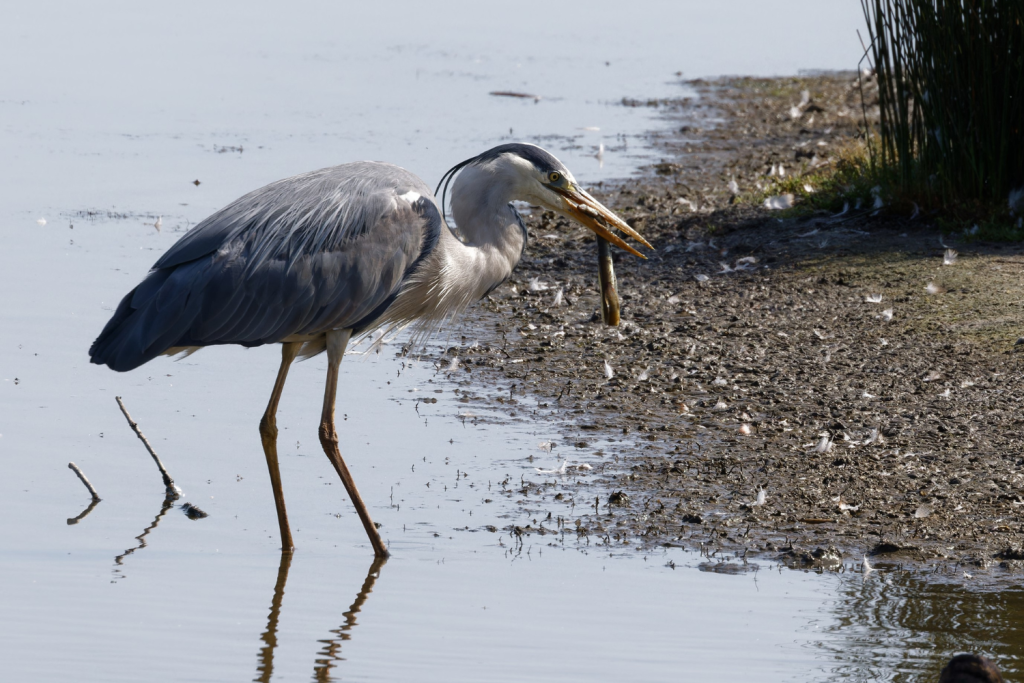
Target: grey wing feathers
323 250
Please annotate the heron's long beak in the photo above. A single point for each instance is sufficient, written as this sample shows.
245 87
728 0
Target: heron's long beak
587 211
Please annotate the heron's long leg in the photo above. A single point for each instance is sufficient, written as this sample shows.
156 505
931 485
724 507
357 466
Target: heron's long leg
337 340
268 434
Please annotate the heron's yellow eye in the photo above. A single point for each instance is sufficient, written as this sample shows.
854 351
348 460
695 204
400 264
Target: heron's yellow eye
554 176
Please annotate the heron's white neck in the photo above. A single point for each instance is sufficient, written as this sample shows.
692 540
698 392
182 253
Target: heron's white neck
469 263
491 235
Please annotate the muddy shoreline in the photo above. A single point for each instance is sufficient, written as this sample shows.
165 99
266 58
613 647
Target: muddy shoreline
753 357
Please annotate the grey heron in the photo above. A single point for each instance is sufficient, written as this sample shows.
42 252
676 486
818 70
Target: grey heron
313 260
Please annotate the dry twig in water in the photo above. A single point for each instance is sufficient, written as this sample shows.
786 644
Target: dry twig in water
172 490
85 480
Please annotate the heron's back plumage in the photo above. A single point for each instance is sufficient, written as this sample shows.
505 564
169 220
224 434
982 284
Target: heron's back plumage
324 250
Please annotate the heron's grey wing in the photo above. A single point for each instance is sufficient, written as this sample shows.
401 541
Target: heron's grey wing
325 250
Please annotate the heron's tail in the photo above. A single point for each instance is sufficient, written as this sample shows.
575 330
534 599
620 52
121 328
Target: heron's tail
150 319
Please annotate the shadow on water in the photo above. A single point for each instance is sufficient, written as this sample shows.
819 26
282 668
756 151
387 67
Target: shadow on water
330 654
902 627
119 560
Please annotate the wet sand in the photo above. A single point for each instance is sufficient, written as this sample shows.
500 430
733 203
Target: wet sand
752 357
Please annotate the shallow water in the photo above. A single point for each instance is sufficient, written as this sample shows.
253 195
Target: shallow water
113 110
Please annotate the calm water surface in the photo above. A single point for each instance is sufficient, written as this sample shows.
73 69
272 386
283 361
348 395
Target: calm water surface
108 112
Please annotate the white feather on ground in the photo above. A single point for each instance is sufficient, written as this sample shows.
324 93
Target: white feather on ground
778 202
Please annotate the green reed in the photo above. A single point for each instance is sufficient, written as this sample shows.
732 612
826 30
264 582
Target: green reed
951 97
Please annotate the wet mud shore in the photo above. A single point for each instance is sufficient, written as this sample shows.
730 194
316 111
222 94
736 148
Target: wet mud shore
805 389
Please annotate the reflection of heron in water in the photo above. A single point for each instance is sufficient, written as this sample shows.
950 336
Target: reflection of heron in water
332 646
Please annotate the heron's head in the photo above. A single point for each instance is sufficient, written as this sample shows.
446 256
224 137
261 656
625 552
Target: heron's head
531 174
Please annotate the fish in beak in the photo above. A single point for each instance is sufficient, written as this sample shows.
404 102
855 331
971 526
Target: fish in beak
587 211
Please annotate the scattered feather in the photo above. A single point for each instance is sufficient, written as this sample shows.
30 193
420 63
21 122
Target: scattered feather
795 112
41 221
812 233
558 298
701 277
545 446
608 372
1016 199
873 437
865 567
876 192
824 444
846 209
846 507
453 365
946 393
644 376
808 189
782 201
537 286
687 203
933 288
916 211
873 299
674 299
867 395
584 466
725 268
887 315
923 512
720 382
761 496
932 376
745 429
159 223
883 342
560 470
949 258
734 188
721 405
